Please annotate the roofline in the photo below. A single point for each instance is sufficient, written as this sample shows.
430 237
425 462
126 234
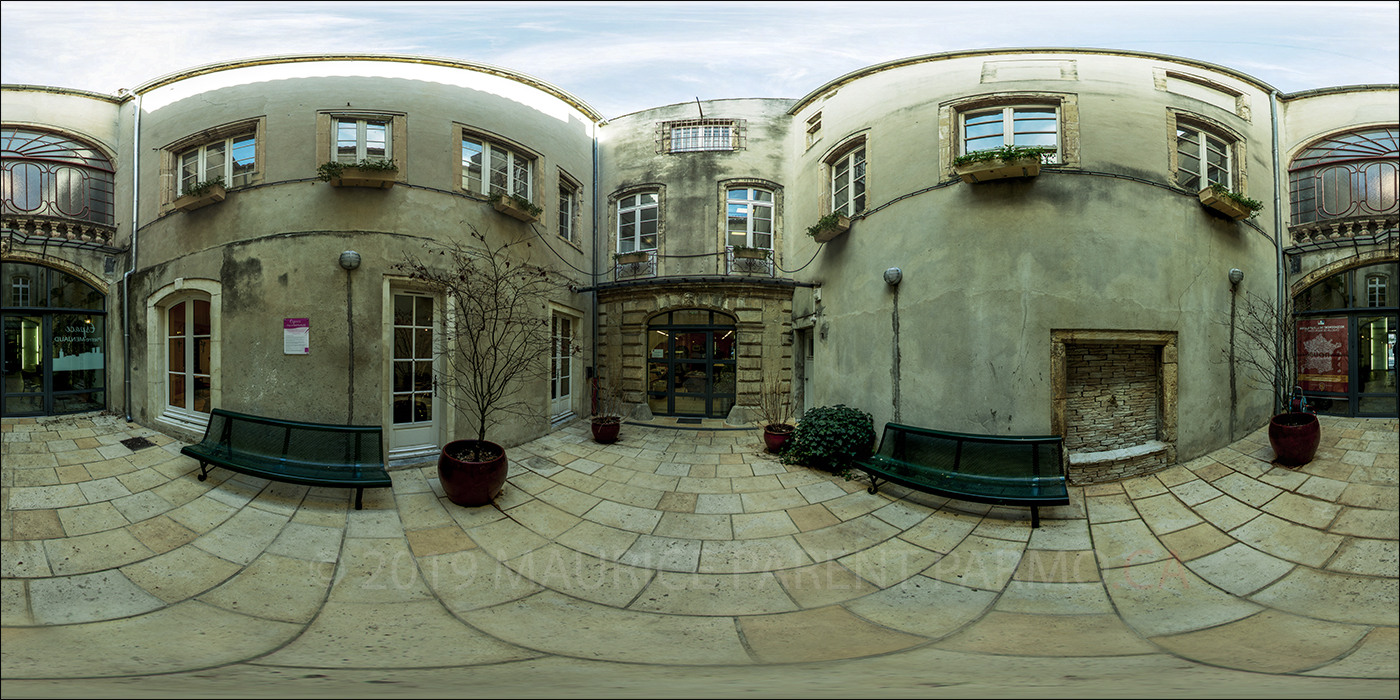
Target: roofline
499 71
1315 92
928 58
74 92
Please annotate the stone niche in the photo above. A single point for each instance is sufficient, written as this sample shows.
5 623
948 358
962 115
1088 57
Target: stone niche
1115 402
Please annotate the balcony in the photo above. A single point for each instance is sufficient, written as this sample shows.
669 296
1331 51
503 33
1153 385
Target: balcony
748 261
635 265
1344 231
49 230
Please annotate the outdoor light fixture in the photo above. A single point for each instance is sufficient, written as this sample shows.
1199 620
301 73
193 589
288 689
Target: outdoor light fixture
1236 275
349 260
893 276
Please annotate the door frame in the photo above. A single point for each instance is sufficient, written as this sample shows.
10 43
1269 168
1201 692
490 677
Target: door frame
441 429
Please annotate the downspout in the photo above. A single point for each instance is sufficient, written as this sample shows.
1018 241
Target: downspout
594 269
1279 390
131 252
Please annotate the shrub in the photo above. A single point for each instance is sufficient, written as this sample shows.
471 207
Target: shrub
831 438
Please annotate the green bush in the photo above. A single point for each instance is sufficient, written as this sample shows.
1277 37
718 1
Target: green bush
831 438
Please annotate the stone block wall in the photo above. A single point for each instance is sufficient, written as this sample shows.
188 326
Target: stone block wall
1111 396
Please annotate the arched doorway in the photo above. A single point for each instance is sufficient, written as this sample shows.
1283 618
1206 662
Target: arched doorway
1347 326
691 363
54 359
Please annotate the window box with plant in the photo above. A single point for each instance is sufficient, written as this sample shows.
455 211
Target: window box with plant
999 163
751 253
516 207
634 258
829 227
201 195
1231 204
365 173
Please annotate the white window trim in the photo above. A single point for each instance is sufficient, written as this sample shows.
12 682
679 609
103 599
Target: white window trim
1235 148
950 123
157 306
770 204
1203 149
361 137
848 153
637 238
700 135
567 228
201 153
172 156
491 144
1008 126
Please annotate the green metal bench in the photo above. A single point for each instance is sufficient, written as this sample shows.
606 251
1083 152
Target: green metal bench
315 454
1001 470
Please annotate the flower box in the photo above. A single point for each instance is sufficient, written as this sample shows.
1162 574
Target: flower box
511 208
751 253
1223 204
191 202
984 170
842 225
352 176
632 258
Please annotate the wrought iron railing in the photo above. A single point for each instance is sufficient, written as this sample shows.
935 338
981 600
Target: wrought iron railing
743 264
633 270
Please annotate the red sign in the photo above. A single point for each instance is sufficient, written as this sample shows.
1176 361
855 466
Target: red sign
1322 354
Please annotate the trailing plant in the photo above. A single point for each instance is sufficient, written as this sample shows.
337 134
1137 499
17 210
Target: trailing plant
1253 205
519 202
831 438
829 222
199 189
333 170
1005 153
775 405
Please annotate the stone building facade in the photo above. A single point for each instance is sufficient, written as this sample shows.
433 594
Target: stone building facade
683 234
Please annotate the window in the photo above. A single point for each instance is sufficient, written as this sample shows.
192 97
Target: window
1202 159
1376 291
750 212
489 168
44 174
568 209
814 129
358 139
638 222
702 135
234 159
188 358
1348 174
848 182
1025 126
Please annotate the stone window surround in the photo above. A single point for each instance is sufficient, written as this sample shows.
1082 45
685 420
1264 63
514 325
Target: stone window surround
170 156
568 181
853 141
398 130
1166 375
390 285
723 224
537 162
1238 152
618 195
157 304
950 117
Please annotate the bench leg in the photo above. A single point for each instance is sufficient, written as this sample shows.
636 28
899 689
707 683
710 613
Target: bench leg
203 471
874 483
359 499
1035 517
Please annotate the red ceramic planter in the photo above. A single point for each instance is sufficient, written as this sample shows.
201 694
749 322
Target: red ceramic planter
1294 437
471 483
605 433
776 440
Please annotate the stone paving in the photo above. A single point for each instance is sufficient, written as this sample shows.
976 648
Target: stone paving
679 548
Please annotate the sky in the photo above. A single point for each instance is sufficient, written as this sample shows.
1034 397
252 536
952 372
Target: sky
621 57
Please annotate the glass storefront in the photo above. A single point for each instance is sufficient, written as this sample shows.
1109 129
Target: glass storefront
1347 326
54 334
691 363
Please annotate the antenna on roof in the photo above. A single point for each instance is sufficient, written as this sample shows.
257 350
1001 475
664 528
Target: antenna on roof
697 106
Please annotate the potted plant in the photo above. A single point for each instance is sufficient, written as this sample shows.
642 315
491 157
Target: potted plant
829 227
775 406
493 349
1000 163
201 194
366 173
607 414
1271 361
516 207
741 251
831 438
633 258
1231 204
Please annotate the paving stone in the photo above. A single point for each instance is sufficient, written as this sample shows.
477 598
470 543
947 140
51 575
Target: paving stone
580 575
1164 514
161 534
598 540
35 525
824 634
1374 657
311 542
760 525
823 583
1107 509
1365 522
1195 492
674 593
1195 542
822 491
90 597
1165 597
25 559
978 562
1048 635
1288 541
243 537
376 571
812 517
1040 598
1143 487
1057 566
847 537
1240 569
664 554
45 497
1303 510
1061 534
1126 543
942 532
1286 479
751 556
1225 512
180 574
1270 642
774 500
1247 490
109 549
924 606
890 562
1370 496
1368 557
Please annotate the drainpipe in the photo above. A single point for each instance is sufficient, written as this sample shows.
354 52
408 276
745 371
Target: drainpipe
592 281
126 278
1279 390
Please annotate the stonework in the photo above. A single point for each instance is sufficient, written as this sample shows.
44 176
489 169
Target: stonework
1111 399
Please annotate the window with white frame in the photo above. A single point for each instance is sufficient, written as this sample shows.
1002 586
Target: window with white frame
702 135
568 209
814 129
1015 125
234 159
1202 159
188 359
638 222
363 138
490 168
848 181
750 213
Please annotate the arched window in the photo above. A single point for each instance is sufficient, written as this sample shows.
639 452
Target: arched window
1349 174
183 352
44 174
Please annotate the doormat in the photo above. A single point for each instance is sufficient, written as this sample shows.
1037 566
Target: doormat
688 421
137 443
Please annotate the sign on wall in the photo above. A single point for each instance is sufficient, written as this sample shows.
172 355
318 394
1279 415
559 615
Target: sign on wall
296 336
1322 354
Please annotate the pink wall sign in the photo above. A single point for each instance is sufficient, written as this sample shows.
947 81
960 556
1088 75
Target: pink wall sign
296 336
1322 354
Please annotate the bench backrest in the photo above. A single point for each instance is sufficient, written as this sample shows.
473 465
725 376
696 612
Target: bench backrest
305 443
990 455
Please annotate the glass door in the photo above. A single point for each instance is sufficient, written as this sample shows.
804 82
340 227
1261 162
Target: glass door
1375 366
413 396
691 364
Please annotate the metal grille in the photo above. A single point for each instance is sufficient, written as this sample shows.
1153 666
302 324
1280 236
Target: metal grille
735 265
690 135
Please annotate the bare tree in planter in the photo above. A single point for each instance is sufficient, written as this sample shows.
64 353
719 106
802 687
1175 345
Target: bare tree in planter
1271 362
495 342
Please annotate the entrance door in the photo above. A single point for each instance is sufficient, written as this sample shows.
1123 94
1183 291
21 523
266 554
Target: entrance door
691 364
54 356
561 366
413 395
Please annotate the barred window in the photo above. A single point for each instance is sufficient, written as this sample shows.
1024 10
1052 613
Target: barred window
692 135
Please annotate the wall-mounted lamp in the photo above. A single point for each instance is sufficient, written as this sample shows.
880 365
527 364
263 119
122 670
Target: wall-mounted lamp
1236 275
893 276
349 260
